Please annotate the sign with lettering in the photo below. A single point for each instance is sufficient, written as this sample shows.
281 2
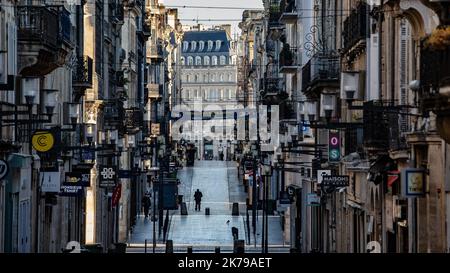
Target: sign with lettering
321 174
108 177
78 179
50 181
336 181
413 181
334 146
313 199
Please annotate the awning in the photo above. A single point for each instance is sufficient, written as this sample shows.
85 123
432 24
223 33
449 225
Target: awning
392 176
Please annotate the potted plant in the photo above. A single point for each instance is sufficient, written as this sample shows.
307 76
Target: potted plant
439 39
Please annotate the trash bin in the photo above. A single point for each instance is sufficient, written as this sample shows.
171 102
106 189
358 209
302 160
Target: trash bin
207 211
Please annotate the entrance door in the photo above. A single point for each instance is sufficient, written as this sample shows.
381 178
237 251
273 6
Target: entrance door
24 226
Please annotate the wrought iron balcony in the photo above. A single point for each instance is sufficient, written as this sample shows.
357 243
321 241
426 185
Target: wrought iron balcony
44 38
82 73
289 60
272 91
288 110
289 12
355 27
322 71
274 14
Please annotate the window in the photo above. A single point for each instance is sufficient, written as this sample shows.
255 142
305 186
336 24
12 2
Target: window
210 45
195 93
221 97
188 78
213 78
205 94
221 77
227 94
230 78
205 78
196 78
223 60
185 46
193 45
206 60
214 60
183 61
190 60
201 46
218 45
232 94
198 60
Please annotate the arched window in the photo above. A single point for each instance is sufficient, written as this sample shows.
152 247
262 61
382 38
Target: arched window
190 60
195 93
185 46
188 78
205 94
198 60
183 61
221 78
210 45
201 46
214 60
218 45
206 60
205 78
213 78
227 94
230 78
196 78
193 45
223 60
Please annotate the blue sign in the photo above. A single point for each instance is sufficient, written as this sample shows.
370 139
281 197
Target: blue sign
87 154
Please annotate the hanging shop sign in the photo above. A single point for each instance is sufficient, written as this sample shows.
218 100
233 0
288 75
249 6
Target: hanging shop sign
413 182
117 193
313 200
334 146
321 174
50 182
108 177
78 179
336 181
155 129
4 168
87 154
43 141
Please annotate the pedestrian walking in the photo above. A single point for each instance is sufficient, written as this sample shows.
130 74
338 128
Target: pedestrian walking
146 203
198 199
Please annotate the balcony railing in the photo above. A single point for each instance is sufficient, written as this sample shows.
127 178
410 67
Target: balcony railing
38 24
355 26
323 70
288 60
288 110
434 66
274 14
82 74
288 11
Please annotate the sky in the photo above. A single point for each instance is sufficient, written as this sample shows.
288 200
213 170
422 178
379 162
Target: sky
230 14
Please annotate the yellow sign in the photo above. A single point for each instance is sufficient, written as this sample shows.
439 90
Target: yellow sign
43 141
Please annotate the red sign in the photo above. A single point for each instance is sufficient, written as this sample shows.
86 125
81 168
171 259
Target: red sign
116 195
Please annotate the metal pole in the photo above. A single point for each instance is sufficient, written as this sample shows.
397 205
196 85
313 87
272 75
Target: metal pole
254 201
266 244
263 215
38 190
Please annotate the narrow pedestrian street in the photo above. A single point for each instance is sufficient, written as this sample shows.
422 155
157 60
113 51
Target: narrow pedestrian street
218 181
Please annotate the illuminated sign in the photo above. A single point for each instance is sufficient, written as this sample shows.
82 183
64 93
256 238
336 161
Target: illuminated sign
334 146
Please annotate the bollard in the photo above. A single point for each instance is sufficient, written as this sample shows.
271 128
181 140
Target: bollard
189 249
217 250
169 246
239 246
235 233
184 209
207 211
235 209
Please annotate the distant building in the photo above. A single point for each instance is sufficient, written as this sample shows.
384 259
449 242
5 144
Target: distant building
209 76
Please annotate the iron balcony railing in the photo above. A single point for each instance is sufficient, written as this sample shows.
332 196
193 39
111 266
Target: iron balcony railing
274 13
321 68
82 74
39 24
355 26
288 56
434 66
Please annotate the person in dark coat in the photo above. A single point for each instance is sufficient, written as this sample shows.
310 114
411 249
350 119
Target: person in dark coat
146 203
198 199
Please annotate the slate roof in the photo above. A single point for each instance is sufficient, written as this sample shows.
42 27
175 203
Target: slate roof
205 36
